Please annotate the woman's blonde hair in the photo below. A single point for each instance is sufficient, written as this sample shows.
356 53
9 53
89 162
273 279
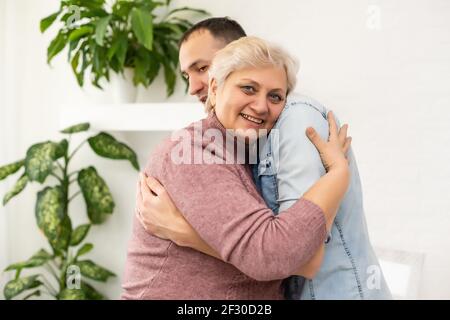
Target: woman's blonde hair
250 52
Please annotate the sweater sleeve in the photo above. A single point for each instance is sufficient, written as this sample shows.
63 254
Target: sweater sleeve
240 227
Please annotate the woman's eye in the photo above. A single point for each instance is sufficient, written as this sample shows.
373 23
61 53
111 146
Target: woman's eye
203 69
276 98
248 89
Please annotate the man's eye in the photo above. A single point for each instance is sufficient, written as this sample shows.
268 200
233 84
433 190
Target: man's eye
185 76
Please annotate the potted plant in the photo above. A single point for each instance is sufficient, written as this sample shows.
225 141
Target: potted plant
127 38
64 263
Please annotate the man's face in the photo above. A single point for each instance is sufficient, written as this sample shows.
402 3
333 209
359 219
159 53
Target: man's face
196 55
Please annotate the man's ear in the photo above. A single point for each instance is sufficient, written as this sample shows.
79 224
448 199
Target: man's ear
212 91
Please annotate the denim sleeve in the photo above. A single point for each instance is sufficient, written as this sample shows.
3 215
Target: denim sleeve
300 164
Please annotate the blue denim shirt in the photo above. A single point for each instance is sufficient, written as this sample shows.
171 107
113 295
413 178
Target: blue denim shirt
289 165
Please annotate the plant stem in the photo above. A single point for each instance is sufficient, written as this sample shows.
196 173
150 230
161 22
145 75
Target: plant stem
72 173
76 150
60 166
65 185
56 176
73 196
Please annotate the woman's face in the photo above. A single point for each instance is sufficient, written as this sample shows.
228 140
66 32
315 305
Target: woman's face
250 98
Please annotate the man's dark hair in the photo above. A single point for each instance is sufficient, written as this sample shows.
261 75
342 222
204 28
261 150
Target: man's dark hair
222 28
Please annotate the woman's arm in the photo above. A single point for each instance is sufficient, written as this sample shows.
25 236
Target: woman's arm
159 216
214 201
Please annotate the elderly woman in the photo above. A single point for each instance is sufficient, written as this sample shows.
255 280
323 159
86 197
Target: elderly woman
213 188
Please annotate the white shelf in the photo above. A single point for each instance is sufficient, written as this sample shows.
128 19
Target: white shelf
132 117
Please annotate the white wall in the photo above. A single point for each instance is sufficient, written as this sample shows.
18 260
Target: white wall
3 216
383 66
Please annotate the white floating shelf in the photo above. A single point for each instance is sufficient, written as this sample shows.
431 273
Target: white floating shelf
132 117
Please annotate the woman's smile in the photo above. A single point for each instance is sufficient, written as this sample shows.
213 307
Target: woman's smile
253 120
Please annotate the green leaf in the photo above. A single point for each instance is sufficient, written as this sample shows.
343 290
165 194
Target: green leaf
170 78
203 12
91 270
56 45
107 146
142 26
18 187
37 260
80 32
119 49
153 71
122 8
76 128
40 157
183 23
91 4
100 29
172 52
86 292
71 294
10 168
51 217
99 66
171 28
79 234
90 292
48 21
87 247
74 63
17 286
143 64
96 194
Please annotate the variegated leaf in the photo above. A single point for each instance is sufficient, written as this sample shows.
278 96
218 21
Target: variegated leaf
96 194
10 168
51 217
18 187
76 128
107 146
40 158
91 270
38 259
79 233
17 286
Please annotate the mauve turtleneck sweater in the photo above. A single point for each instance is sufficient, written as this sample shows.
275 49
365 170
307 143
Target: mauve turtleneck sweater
223 205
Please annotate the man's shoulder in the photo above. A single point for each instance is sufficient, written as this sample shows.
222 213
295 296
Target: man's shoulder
301 110
308 103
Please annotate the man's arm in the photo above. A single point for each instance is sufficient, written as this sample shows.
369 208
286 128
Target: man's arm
299 165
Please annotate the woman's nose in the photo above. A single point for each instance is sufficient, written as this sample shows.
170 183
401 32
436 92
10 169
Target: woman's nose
261 107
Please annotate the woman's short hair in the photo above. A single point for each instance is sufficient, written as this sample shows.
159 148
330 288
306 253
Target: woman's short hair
251 52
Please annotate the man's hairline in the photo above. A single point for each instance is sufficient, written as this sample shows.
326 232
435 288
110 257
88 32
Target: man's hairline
222 40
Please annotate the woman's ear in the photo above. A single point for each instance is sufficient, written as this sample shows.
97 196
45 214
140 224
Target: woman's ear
212 91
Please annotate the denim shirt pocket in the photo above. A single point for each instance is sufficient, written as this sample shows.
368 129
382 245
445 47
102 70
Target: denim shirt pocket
268 182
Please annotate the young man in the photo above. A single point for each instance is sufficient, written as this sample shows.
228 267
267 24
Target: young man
288 165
